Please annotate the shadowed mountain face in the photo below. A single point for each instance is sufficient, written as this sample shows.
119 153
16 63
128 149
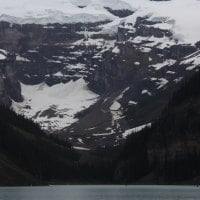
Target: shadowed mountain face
168 151
94 82
28 156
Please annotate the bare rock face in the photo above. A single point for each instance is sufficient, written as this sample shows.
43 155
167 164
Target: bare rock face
9 83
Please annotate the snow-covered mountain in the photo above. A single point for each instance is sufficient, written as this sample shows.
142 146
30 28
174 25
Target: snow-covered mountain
60 11
181 15
94 71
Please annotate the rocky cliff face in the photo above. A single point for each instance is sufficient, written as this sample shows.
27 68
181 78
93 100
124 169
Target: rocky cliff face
9 84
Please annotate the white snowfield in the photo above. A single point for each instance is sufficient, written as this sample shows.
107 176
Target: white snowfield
180 16
61 11
56 106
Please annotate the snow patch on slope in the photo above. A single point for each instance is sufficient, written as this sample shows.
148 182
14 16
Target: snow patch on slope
192 60
168 62
135 130
55 107
183 13
3 54
2 57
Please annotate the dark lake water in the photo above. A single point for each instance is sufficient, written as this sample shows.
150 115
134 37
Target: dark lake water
104 192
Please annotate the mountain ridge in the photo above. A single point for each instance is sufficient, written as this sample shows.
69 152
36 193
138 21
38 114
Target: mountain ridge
124 68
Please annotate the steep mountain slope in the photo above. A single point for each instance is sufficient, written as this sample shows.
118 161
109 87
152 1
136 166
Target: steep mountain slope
169 150
91 71
11 174
166 152
28 156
